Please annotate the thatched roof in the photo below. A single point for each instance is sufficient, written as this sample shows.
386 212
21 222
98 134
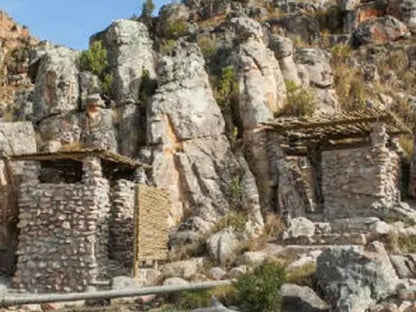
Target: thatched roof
320 129
79 154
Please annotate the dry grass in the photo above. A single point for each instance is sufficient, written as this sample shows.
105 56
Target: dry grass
400 244
304 276
407 144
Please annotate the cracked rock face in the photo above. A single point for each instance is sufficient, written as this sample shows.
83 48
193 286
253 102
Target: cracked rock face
57 84
130 52
314 64
191 154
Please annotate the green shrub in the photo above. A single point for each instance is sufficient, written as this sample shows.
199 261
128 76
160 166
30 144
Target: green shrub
194 299
300 102
147 88
259 291
95 60
227 91
176 29
237 191
148 8
235 220
208 46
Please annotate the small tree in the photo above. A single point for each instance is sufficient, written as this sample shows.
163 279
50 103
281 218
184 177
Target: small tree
95 60
148 8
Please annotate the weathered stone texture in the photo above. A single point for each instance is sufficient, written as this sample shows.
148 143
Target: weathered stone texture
354 179
122 222
17 138
130 52
192 157
57 84
63 233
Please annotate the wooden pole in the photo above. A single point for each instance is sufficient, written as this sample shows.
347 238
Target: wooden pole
7 301
136 233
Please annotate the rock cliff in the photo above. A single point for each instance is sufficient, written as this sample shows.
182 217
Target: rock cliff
189 91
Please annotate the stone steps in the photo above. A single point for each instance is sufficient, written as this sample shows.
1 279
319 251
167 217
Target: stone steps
330 239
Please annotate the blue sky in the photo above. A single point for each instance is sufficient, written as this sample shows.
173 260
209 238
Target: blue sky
71 22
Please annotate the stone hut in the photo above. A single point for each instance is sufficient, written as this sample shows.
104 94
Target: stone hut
337 166
76 218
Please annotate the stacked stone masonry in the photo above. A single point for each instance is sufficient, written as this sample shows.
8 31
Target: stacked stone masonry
63 234
354 179
122 223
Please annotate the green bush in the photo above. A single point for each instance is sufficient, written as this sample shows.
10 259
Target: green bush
227 90
300 102
176 29
148 8
237 191
95 60
208 46
147 87
194 299
259 291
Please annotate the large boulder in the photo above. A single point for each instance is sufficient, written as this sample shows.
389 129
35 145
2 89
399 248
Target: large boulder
378 31
57 84
300 227
352 278
183 269
223 245
130 53
314 64
297 298
59 130
283 51
405 11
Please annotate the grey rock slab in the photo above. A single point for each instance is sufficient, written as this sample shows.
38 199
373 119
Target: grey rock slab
297 298
353 279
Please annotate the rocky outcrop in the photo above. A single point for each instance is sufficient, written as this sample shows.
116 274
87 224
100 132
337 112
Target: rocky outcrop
405 11
314 63
262 93
261 85
191 155
283 51
57 85
378 31
352 279
16 42
130 54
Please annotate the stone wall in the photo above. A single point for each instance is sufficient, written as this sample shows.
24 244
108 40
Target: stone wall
122 224
63 232
353 179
